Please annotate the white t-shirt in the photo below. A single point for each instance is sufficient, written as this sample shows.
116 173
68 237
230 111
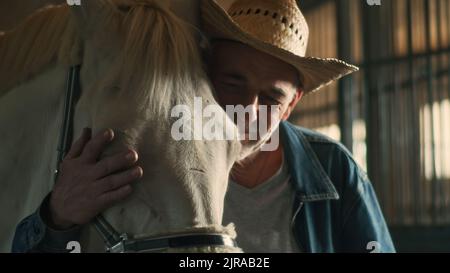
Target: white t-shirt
263 215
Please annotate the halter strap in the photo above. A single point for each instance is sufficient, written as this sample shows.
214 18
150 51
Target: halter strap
73 94
179 241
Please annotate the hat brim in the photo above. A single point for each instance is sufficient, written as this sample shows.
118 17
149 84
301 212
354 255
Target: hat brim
315 72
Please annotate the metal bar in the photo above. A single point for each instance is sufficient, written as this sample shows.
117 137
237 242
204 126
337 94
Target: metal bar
443 187
388 61
404 84
447 11
345 89
431 101
369 98
375 99
414 122
395 119
448 35
439 82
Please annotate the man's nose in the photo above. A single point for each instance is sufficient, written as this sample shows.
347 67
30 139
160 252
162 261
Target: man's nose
250 100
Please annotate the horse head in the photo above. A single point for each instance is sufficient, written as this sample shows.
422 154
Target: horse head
139 61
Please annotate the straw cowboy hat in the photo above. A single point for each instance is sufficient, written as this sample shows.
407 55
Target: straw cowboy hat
278 28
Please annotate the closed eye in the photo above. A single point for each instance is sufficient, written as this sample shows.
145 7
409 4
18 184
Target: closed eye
270 99
233 84
197 170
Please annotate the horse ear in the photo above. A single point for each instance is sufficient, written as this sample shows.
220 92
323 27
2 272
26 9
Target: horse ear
88 15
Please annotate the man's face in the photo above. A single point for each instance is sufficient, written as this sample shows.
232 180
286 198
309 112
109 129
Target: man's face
242 75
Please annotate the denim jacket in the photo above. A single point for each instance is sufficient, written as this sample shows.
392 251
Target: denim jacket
335 208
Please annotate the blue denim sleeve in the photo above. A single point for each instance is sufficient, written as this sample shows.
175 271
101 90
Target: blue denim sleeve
365 228
34 235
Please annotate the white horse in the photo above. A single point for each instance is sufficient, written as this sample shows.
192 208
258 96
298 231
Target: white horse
137 61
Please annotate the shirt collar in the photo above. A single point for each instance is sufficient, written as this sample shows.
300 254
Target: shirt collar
309 177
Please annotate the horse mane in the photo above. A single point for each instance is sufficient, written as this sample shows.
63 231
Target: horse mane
161 66
47 36
164 63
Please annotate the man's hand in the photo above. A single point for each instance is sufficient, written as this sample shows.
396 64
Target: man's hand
86 187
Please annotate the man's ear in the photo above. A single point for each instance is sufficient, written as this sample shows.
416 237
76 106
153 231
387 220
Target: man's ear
297 97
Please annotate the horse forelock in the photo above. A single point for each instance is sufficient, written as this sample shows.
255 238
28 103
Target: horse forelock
160 63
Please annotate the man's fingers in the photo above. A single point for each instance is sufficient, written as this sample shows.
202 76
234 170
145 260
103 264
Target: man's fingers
114 163
110 198
77 147
96 145
116 181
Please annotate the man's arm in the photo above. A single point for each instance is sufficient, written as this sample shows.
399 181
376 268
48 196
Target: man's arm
35 234
86 186
364 226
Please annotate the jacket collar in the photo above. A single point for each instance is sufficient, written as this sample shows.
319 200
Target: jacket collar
309 177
